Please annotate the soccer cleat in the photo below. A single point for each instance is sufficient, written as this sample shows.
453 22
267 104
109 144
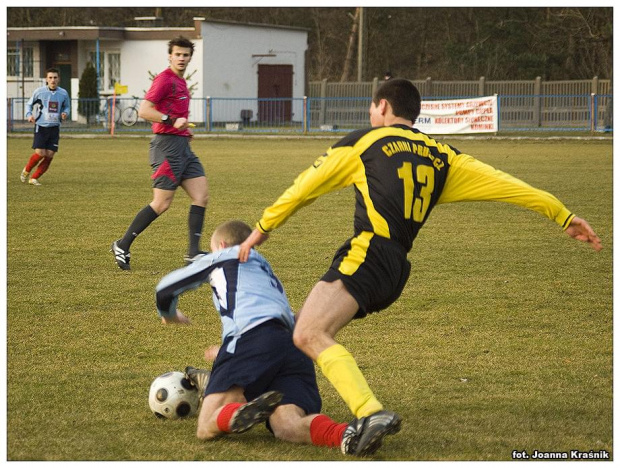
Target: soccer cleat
121 256
24 175
189 259
363 436
34 182
198 377
254 412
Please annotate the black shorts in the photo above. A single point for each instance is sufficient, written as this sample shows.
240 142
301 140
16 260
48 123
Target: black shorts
46 138
172 161
265 358
374 271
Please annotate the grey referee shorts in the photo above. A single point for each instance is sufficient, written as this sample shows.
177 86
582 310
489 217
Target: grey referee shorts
172 161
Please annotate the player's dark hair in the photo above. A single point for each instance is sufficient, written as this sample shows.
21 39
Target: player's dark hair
232 232
52 70
402 95
181 41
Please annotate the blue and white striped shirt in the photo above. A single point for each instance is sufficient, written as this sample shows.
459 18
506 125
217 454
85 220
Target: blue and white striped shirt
245 294
49 105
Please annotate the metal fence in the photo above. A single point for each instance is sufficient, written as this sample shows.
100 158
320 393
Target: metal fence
523 106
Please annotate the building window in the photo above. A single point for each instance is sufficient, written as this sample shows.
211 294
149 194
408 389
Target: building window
28 61
20 62
109 69
114 69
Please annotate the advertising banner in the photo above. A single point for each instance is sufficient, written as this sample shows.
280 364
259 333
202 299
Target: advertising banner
474 115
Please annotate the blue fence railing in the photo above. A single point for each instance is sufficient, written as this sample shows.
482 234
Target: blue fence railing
578 112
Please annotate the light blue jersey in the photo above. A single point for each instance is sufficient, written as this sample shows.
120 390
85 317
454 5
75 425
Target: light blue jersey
245 294
47 106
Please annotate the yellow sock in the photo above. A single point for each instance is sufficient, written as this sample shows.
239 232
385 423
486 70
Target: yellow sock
340 368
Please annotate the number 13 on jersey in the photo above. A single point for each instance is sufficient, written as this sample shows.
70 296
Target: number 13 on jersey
425 176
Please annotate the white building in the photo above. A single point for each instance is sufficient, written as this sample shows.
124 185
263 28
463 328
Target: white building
231 60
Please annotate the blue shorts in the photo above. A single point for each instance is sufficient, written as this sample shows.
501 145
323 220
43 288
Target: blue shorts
265 358
46 138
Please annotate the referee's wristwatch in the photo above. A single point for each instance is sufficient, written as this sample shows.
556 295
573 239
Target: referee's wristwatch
167 120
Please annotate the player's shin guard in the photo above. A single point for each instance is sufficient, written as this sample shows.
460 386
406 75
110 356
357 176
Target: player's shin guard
143 219
226 413
340 368
326 432
34 159
195 222
42 168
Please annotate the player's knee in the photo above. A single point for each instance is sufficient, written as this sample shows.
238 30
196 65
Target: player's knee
160 206
202 199
302 338
283 433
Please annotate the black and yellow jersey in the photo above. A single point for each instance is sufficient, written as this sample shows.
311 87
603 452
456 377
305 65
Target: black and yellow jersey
399 175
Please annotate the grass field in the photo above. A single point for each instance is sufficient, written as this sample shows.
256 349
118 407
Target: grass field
501 341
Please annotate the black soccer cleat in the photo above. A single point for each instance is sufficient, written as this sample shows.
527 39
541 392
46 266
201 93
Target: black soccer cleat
121 256
254 412
189 259
198 377
363 436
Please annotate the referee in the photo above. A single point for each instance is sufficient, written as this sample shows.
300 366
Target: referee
173 163
399 175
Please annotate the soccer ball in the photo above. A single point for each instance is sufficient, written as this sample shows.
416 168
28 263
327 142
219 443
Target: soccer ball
172 396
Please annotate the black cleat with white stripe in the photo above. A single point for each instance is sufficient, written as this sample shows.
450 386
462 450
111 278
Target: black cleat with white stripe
121 256
254 412
363 436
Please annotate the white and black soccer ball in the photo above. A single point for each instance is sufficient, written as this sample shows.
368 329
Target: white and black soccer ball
172 396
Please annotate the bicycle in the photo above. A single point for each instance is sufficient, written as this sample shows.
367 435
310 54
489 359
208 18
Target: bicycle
129 116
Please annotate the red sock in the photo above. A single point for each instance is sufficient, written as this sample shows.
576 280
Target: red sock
325 431
34 159
41 168
223 419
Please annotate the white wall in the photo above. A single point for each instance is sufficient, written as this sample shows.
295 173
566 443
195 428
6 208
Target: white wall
229 65
232 54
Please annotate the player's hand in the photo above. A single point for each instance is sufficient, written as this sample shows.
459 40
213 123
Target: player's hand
256 238
181 123
31 119
178 318
579 229
63 116
211 353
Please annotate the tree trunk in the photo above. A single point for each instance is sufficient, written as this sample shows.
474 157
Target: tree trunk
346 69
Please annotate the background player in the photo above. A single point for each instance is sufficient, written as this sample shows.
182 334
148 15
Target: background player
399 175
47 108
166 104
257 361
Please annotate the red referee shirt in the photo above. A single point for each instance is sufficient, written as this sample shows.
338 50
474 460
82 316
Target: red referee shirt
170 95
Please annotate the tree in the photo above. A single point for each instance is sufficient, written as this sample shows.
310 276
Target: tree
88 104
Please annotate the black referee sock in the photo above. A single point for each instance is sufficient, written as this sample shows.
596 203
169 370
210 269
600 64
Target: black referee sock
142 220
195 223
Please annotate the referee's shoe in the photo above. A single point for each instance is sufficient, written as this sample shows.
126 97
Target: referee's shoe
122 257
363 436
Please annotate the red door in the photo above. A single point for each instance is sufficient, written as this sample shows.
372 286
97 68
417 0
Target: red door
275 93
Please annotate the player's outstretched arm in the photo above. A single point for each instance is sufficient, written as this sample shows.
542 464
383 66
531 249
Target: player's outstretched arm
256 238
580 229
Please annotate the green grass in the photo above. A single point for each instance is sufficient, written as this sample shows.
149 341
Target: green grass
501 341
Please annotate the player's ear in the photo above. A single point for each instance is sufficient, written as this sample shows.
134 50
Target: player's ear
384 106
222 244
